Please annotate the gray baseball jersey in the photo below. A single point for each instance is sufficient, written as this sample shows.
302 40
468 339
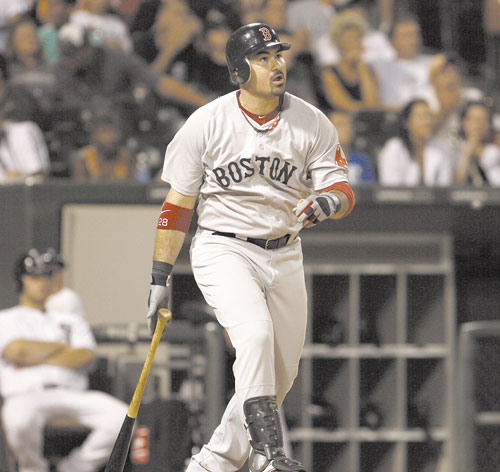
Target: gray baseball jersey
249 179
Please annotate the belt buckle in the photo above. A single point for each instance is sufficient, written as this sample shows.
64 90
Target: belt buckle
266 246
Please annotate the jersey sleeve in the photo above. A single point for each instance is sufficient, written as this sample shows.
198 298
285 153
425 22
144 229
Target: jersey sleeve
182 167
327 163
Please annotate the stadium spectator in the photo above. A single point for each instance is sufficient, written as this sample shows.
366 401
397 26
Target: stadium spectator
29 71
446 98
52 14
350 84
376 44
23 150
491 21
9 12
410 159
479 158
406 76
43 375
191 50
270 12
97 15
24 50
62 299
360 165
311 19
15 103
106 157
209 71
89 71
171 39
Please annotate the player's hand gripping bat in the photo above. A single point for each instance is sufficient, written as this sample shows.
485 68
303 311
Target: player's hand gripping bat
118 456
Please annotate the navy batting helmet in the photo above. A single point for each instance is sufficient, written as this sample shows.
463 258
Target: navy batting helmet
31 263
246 40
55 258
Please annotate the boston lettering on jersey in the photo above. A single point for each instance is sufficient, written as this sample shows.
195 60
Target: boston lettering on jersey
272 167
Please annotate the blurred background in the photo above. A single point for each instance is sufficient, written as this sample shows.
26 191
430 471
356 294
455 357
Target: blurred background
399 371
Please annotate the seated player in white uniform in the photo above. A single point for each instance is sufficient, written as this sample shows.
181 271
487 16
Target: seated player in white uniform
62 298
263 164
44 356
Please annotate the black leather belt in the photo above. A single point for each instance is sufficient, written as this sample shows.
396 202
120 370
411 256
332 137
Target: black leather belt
263 243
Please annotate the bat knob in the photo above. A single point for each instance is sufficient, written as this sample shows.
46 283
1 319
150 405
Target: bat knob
165 314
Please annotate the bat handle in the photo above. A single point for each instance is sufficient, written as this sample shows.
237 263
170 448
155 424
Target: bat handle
164 316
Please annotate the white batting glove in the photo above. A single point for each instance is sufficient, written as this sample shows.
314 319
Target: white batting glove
316 208
158 298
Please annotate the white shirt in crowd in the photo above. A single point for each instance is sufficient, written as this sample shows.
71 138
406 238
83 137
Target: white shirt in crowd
108 27
403 80
376 47
21 322
397 168
312 15
22 149
489 160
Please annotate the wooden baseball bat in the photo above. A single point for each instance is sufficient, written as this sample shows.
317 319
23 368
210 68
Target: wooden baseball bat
118 457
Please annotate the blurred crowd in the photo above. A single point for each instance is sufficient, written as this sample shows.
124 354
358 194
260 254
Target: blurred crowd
95 89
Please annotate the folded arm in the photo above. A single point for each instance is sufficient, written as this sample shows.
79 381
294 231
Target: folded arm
26 352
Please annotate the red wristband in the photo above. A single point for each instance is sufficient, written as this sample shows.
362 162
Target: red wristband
346 189
174 217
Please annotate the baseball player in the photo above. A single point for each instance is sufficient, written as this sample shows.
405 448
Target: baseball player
62 298
263 164
44 355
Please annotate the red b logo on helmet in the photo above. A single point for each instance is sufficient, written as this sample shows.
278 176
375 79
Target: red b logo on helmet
266 33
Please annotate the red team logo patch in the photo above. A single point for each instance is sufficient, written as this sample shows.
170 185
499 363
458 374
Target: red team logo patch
340 159
266 33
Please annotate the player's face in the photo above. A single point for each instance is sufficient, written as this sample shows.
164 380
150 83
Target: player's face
267 73
36 289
